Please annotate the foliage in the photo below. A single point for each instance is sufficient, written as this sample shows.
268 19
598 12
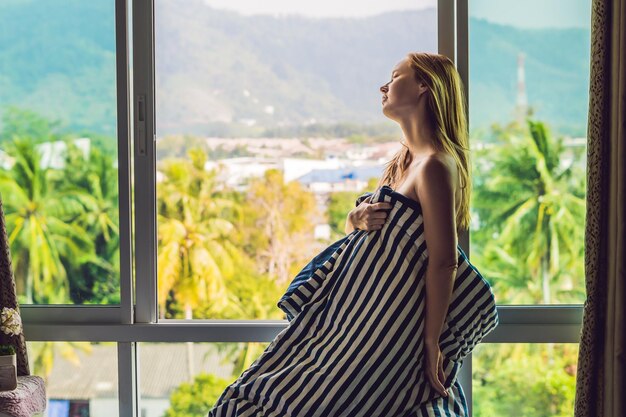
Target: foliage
45 234
21 123
97 279
195 250
530 201
339 204
256 295
279 218
44 353
197 398
524 380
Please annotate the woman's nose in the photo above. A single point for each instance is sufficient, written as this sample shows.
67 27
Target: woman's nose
384 88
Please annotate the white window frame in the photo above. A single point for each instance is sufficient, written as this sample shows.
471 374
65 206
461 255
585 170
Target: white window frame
135 319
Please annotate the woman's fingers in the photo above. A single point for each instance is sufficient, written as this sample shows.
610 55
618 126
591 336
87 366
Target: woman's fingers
378 215
434 369
442 376
373 215
434 382
382 205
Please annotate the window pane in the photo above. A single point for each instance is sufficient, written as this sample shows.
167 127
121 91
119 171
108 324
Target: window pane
81 377
184 379
518 379
268 128
58 149
529 81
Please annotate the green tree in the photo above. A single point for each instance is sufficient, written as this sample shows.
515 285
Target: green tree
22 123
197 398
279 220
93 177
43 226
257 296
526 380
340 203
196 255
530 202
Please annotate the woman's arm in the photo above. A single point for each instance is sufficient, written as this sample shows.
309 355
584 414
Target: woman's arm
435 190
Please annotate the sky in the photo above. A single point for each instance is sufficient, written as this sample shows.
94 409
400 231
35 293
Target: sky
320 8
526 14
534 14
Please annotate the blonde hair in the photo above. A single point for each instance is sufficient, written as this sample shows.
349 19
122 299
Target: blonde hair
446 108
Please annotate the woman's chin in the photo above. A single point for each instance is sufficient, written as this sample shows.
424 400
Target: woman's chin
386 111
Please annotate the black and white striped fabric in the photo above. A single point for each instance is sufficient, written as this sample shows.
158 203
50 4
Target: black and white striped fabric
354 343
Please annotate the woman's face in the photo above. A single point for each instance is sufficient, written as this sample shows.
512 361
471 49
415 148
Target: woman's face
402 93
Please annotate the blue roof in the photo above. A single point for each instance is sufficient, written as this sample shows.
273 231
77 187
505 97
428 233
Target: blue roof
363 173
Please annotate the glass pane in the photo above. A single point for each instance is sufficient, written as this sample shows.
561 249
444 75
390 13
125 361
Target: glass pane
58 149
529 81
519 379
186 379
81 377
268 127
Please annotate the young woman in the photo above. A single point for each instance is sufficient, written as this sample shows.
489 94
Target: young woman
425 97
383 318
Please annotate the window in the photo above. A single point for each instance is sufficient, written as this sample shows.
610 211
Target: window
524 379
58 157
268 127
81 377
529 82
188 378
239 122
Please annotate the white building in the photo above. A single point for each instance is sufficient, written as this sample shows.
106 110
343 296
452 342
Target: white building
53 153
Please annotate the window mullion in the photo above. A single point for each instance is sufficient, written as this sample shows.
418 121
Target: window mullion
445 28
145 161
124 155
462 66
127 363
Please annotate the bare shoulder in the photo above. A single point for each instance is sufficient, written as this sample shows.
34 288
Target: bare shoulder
436 182
437 169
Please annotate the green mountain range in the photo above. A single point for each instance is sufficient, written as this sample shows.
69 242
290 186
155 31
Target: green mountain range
216 70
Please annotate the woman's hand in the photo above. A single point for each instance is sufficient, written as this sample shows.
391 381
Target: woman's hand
368 216
433 367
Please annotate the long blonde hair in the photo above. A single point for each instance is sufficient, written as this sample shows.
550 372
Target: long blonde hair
446 108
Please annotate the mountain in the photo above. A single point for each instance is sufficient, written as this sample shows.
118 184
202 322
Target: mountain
217 69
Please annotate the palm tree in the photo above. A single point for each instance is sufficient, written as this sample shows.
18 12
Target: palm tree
257 294
196 255
44 353
96 177
43 229
94 182
531 202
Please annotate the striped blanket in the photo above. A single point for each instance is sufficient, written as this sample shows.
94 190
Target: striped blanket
354 343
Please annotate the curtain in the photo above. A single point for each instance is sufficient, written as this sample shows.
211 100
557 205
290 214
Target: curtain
601 373
10 322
